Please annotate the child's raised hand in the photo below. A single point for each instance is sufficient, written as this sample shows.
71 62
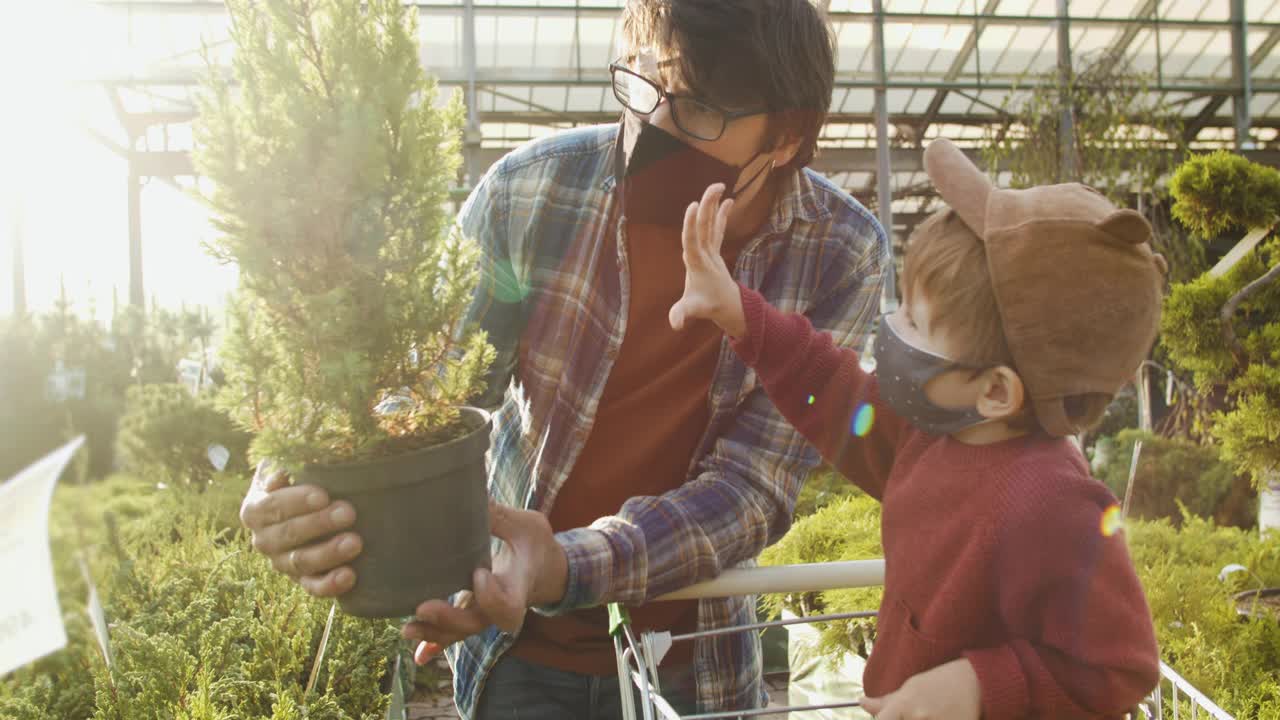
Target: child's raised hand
709 290
949 691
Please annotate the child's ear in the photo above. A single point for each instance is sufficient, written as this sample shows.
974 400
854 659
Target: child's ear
1002 394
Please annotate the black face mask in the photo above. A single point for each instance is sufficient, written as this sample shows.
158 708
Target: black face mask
903 370
662 174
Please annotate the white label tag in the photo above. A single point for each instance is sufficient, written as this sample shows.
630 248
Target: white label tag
30 620
219 456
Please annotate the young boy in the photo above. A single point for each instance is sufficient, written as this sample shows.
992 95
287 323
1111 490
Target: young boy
1008 592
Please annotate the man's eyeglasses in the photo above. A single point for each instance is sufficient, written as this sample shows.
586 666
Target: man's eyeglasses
694 117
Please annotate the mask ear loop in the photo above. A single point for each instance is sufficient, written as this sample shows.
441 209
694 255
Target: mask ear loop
764 170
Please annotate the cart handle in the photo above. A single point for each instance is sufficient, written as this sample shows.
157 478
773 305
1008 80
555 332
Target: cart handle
812 577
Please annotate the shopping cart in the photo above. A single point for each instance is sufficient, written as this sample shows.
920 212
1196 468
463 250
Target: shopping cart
639 657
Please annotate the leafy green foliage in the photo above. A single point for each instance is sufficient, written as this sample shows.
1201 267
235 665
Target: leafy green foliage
165 432
1223 191
137 348
201 627
1125 144
1173 474
332 166
1247 423
1122 413
1233 660
821 489
845 528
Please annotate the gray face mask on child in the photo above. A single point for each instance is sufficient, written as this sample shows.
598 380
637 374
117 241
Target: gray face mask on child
903 370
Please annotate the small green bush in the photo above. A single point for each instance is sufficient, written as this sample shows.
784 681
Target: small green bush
1223 191
1232 660
1172 473
201 627
1248 425
821 489
166 432
846 528
137 349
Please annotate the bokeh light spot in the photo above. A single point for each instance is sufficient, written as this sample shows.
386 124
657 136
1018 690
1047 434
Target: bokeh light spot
1112 521
863 419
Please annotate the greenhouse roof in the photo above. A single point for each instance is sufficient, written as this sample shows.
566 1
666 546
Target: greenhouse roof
950 68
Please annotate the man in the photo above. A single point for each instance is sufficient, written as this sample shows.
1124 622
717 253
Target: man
630 460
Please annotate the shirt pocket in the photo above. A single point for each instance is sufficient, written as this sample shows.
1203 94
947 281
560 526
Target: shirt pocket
909 648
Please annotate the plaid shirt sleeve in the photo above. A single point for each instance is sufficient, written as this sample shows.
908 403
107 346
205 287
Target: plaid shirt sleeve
743 495
497 305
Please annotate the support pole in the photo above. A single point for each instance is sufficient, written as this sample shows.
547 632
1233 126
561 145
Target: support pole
1243 74
884 166
473 135
1067 170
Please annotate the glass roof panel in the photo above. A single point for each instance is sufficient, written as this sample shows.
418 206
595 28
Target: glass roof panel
1192 108
1195 10
897 100
859 100
853 44
1029 51
598 41
1044 7
1262 10
1087 39
907 6
1014 7
547 68
1182 48
1269 68
923 47
956 104
993 44
554 42
1142 51
1263 104
440 37
851 5
919 102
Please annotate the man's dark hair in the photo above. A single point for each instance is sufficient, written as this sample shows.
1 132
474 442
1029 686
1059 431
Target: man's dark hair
779 54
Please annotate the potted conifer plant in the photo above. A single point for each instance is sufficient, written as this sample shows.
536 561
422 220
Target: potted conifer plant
346 355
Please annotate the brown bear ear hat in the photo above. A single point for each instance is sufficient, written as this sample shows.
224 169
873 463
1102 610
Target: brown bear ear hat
1075 280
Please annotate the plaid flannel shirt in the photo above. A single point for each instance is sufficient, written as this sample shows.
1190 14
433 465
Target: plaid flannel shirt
553 299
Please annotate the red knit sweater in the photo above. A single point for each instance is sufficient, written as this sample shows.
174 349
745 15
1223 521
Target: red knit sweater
997 553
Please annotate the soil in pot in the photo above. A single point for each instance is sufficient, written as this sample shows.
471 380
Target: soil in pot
423 517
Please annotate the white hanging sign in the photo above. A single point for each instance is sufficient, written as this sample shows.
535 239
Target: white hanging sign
30 620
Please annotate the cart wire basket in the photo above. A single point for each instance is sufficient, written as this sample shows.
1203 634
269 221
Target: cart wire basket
640 656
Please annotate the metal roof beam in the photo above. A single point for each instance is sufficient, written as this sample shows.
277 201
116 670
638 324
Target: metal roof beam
1209 114
962 59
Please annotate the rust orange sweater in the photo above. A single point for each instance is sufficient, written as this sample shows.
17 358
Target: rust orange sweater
652 416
